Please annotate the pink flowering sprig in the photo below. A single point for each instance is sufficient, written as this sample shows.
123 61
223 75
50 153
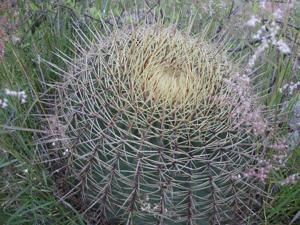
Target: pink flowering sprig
280 153
261 172
269 30
280 145
264 167
267 35
291 179
290 87
279 159
248 113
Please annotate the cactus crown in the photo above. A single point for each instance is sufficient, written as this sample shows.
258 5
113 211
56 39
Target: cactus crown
147 136
172 67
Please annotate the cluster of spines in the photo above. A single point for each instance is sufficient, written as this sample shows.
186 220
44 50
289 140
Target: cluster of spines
143 158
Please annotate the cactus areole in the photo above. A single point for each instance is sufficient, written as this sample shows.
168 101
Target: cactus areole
149 136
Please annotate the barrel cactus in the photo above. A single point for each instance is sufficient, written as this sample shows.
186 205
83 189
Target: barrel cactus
151 130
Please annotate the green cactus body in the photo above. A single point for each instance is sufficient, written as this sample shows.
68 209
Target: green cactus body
151 139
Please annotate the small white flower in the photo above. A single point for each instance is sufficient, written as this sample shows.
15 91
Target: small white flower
146 207
66 151
278 14
283 47
290 87
23 100
3 103
259 33
15 40
21 95
8 92
263 4
253 21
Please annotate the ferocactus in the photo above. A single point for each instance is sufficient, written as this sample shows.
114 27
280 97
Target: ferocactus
151 130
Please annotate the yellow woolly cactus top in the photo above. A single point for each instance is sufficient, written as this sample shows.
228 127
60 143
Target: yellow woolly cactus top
169 66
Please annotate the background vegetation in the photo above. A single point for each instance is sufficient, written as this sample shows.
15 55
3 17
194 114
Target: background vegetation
32 31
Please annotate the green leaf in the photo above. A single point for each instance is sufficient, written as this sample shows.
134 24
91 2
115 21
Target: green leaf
99 4
71 3
33 6
256 7
107 8
5 164
95 12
